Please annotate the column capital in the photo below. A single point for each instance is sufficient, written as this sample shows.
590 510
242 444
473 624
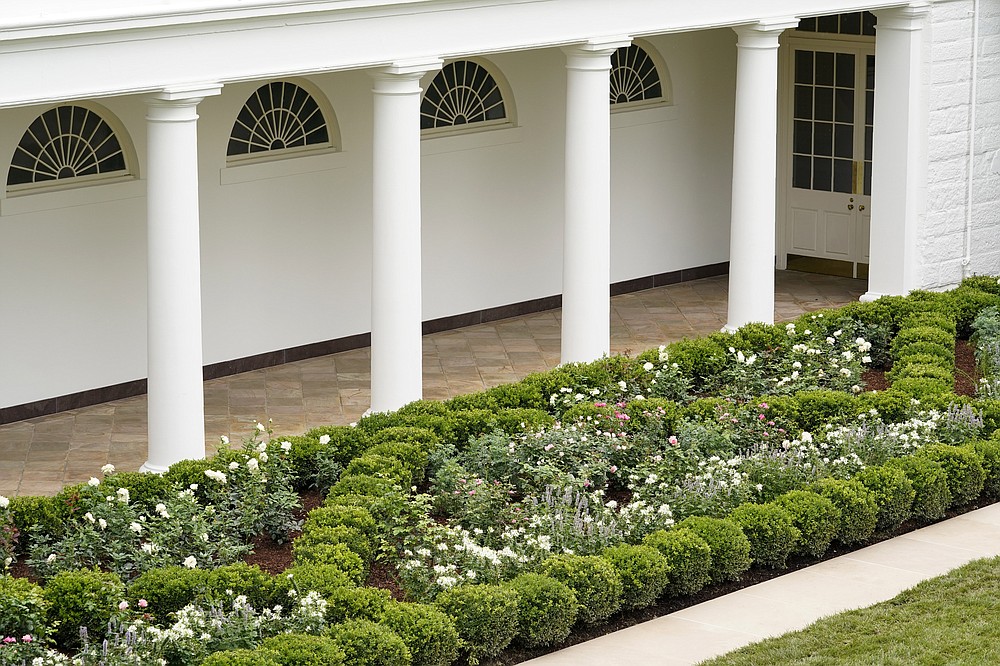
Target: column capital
764 33
597 48
905 17
407 68
188 93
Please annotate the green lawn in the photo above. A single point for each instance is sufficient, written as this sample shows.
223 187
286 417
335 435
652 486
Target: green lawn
954 619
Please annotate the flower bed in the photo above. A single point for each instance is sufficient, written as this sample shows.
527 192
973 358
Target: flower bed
513 515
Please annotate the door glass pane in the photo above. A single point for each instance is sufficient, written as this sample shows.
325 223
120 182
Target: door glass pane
845 70
822 173
843 141
869 121
803 102
850 24
844 111
842 172
829 24
824 104
803 67
823 139
824 68
802 137
801 171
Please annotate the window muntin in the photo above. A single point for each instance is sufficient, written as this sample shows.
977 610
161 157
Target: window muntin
855 23
462 93
278 116
634 76
66 143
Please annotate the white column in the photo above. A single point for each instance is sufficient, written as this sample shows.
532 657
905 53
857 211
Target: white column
397 367
176 404
755 154
586 299
899 150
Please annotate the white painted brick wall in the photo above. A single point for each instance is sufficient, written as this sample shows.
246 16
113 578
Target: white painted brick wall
941 239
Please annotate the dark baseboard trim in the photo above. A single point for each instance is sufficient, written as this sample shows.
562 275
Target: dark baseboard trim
269 359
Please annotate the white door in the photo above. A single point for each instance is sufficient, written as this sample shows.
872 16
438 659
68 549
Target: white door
828 138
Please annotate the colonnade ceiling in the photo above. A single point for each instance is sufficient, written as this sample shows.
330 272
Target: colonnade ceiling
53 50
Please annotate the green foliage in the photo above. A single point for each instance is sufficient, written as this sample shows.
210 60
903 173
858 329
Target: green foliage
304 650
644 573
304 578
305 459
729 547
23 608
351 603
82 598
239 578
925 347
922 388
893 406
484 615
858 510
688 556
385 509
428 632
379 467
908 369
424 438
363 484
355 539
698 358
893 494
35 512
344 445
186 473
518 395
966 303
756 337
595 583
962 467
145 490
169 589
815 517
412 455
337 554
818 408
988 452
350 516
930 486
942 320
770 531
546 609
366 643
922 334
242 657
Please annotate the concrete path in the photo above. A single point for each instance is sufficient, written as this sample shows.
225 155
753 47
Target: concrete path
862 578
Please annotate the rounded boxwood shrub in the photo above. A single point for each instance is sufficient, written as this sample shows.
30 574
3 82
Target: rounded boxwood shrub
411 454
595 583
385 509
145 490
29 511
23 608
644 573
729 547
921 334
930 486
945 352
303 456
484 615
921 388
989 454
333 515
186 473
315 535
379 467
815 517
935 318
322 578
345 443
303 650
689 558
81 598
241 657
893 494
426 439
546 610
353 603
428 632
893 406
818 408
698 358
167 590
366 643
770 531
337 554
756 337
962 467
238 578
906 370
364 484
858 510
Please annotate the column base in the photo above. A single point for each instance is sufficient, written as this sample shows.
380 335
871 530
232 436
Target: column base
152 469
870 296
729 328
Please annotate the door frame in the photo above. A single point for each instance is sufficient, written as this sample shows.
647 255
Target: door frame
788 42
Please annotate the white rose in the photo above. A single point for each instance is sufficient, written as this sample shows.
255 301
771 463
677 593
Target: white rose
4 502
94 481
324 439
108 469
191 562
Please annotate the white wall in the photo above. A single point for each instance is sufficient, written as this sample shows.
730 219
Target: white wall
942 240
286 245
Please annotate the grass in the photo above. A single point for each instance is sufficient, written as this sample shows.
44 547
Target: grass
953 619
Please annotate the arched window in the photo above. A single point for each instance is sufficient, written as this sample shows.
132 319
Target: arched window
635 77
66 143
278 116
462 93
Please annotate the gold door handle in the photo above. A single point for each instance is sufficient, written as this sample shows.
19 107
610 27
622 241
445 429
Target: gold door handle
861 207
850 206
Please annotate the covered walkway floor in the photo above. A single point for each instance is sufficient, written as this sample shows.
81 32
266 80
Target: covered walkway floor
41 455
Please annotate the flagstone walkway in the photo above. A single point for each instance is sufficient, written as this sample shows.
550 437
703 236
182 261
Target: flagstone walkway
41 455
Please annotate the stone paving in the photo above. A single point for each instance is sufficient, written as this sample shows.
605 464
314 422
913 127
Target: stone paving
41 455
